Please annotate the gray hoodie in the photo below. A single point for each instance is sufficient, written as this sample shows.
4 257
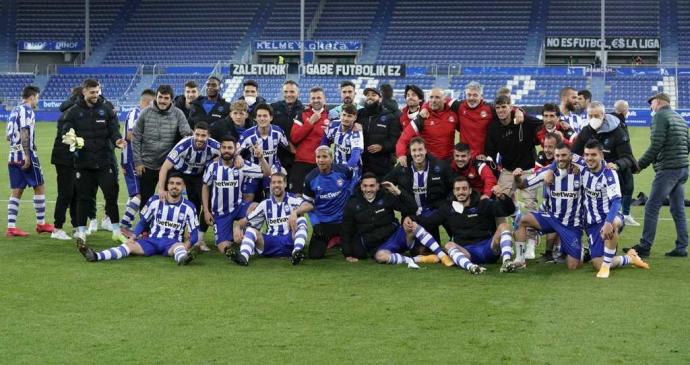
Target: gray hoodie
156 133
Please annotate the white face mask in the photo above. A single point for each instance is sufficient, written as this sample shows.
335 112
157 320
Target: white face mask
595 123
250 100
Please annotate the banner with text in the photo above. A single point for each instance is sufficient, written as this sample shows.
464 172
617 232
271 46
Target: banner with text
533 71
643 117
612 43
354 70
50 46
294 46
258 70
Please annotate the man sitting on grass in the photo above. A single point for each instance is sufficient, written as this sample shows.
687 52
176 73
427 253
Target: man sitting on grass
168 219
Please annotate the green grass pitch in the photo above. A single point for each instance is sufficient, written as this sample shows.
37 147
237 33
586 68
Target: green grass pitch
57 308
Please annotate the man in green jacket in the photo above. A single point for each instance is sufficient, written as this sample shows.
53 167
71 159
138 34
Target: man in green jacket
668 152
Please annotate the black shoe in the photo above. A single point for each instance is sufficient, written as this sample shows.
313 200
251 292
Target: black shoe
240 260
676 253
231 252
587 257
546 257
297 257
641 251
86 251
191 255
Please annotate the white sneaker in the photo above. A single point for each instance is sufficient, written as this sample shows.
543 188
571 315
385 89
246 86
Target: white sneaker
630 221
93 227
530 248
411 265
59 234
81 235
106 225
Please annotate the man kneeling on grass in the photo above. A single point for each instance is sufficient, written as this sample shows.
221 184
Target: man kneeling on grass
371 229
168 219
475 237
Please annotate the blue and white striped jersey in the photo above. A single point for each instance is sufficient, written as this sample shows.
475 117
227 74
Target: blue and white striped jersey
130 123
599 190
22 117
191 161
562 198
269 145
419 188
226 184
346 143
575 120
275 214
170 220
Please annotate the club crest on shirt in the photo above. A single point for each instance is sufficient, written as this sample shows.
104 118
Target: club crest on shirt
451 119
482 114
340 182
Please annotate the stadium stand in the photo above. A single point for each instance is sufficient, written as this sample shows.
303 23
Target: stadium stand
283 22
113 85
177 81
623 18
335 22
526 89
40 20
444 32
11 86
182 32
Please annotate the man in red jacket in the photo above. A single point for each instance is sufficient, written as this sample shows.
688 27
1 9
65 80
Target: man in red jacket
478 173
551 117
414 98
438 130
306 134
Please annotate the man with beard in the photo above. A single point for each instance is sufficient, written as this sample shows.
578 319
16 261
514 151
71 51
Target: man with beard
414 98
347 95
154 135
184 102
478 173
550 117
306 134
348 143
546 157
584 98
222 190
569 109
284 114
250 94
437 130
476 239
326 191
370 228
91 127
168 219
381 131
281 239
190 158
209 108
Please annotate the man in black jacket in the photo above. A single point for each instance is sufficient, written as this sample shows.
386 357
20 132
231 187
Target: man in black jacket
511 145
91 129
370 228
209 108
184 102
607 129
476 239
425 178
284 113
381 130
250 95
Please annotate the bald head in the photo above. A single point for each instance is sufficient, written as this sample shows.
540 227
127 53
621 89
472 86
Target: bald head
436 99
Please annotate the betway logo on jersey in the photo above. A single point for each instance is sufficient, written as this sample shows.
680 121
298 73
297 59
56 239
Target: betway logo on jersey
593 193
565 194
169 224
226 183
278 221
268 153
332 195
343 149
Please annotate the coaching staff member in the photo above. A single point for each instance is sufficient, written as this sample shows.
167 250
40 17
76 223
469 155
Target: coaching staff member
381 130
155 134
91 128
